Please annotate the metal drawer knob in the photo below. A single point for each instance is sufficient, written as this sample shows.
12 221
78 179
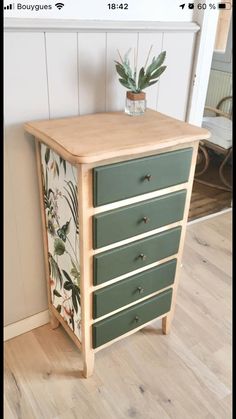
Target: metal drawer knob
146 220
140 290
142 256
136 318
148 177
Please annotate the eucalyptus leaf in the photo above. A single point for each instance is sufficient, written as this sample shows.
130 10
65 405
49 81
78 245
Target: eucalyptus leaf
156 63
67 285
152 82
127 55
67 276
59 308
144 82
56 293
64 165
72 201
64 231
62 161
74 301
127 69
75 273
124 83
59 247
120 70
158 72
54 269
140 77
73 323
47 155
145 78
57 168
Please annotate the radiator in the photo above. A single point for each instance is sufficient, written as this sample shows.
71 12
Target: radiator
220 85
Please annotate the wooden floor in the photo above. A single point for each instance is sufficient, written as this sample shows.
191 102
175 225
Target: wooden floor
185 375
207 200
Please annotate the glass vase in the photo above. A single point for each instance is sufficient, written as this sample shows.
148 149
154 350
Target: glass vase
135 103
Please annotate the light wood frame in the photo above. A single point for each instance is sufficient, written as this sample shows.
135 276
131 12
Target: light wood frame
85 214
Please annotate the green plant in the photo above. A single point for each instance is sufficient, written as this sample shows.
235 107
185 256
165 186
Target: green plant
146 76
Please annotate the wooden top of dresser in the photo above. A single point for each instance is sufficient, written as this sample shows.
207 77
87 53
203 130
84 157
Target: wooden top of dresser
101 136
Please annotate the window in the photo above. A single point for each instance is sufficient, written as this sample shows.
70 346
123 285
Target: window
223 29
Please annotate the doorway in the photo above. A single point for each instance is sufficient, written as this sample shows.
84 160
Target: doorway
212 182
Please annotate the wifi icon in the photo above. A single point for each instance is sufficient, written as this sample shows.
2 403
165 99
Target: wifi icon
59 5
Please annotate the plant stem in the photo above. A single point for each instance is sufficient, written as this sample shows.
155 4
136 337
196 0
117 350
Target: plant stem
120 56
136 67
148 56
76 180
73 250
134 63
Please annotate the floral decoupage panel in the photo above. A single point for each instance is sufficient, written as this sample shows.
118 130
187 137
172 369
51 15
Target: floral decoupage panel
61 209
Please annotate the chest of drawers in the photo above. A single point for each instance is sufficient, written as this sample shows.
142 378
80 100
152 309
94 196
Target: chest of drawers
114 193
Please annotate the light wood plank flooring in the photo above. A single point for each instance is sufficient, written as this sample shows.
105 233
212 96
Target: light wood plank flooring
185 375
207 200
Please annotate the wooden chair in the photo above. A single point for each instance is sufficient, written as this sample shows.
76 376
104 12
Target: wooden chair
220 127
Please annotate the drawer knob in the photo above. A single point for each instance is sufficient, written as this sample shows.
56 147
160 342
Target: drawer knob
148 177
146 220
140 290
136 318
142 256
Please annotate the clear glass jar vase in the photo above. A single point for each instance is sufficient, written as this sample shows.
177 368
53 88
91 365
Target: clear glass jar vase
135 103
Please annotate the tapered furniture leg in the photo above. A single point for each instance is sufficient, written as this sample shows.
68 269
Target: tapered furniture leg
166 324
88 364
54 321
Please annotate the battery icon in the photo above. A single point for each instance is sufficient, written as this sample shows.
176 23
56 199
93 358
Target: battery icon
226 6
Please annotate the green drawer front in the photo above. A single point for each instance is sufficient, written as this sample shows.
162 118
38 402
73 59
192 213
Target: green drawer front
132 289
123 259
120 224
119 181
120 323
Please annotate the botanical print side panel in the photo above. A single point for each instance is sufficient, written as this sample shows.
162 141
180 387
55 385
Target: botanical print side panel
61 209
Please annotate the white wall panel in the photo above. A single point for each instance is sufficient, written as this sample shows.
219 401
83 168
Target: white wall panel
25 88
25 93
67 73
115 92
61 49
14 297
144 43
92 72
174 82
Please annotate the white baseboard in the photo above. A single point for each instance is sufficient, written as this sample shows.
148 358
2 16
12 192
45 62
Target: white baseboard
25 325
206 217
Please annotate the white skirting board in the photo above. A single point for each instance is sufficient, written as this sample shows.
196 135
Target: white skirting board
39 319
206 217
26 325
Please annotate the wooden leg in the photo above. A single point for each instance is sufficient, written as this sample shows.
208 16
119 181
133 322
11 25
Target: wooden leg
166 323
88 363
54 321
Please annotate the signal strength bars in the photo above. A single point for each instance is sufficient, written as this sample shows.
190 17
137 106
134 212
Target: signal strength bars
9 7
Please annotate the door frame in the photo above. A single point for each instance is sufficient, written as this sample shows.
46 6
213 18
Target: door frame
204 49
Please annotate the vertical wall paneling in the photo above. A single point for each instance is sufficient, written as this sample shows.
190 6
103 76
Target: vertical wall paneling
92 72
51 73
219 86
25 89
61 50
145 41
13 285
115 92
174 82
